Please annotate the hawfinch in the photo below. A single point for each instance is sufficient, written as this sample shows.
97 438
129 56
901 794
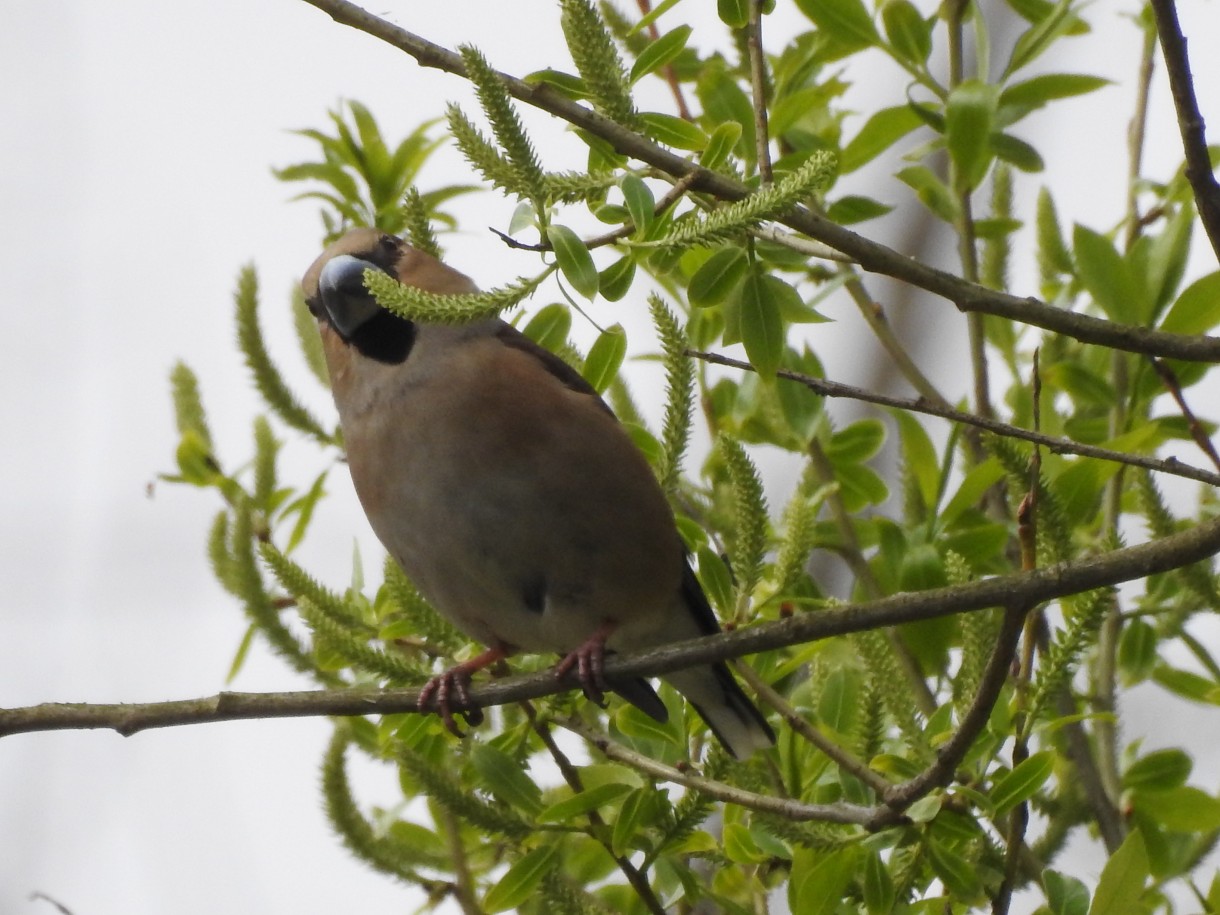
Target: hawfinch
508 492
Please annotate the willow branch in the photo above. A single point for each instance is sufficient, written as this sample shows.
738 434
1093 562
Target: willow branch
1170 465
1190 121
872 256
1019 589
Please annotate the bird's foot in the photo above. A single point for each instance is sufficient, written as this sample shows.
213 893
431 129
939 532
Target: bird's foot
590 661
450 691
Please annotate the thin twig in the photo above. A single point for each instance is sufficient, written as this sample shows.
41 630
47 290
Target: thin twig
870 255
1024 589
1190 120
758 87
870 817
1170 379
671 75
1170 465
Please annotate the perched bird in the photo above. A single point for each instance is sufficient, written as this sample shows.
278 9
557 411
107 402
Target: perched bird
508 492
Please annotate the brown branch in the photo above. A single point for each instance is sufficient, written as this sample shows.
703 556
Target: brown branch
870 817
1170 465
872 256
1170 379
1190 121
758 87
1020 589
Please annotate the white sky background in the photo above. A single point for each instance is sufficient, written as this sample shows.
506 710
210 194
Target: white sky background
135 149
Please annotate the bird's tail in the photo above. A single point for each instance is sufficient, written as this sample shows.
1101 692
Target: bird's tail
720 701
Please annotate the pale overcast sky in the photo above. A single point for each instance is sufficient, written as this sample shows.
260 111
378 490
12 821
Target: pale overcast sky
135 180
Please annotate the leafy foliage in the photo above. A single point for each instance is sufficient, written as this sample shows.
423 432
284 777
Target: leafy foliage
509 819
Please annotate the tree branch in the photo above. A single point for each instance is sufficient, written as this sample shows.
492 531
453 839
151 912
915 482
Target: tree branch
872 256
1170 465
1190 121
1020 589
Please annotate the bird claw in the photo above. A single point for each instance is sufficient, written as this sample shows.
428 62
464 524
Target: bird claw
440 692
589 660
450 691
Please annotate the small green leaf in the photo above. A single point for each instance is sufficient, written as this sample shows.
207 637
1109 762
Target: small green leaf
1197 309
505 778
715 578
1019 99
1016 152
1122 879
574 259
1065 895
819 879
550 327
857 442
839 702
932 192
1181 809
672 131
717 277
660 52
878 888
1137 652
568 84
958 873
909 33
969 117
881 131
605 356
854 208
1023 782
1160 770
734 13
762 327
615 280
639 200
582 803
519 883
846 22
1106 275
720 145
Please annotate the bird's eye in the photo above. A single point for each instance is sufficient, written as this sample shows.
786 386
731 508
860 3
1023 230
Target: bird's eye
388 243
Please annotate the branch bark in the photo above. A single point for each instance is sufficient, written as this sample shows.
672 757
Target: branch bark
1020 589
872 256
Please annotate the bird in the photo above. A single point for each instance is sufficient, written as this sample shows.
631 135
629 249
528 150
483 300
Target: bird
509 493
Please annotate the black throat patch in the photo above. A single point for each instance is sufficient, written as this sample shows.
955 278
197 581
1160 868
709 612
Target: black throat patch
385 337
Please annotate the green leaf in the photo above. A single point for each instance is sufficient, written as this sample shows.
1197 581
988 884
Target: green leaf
1023 782
1106 275
1016 152
846 22
839 702
858 442
879 893
639 200
720 144
1019 99
1181 809
1137 652
627 825
969 117
909 33
717 277
550 327
819 879
1122 879
605 356
660 52
614 282
519 883
574 259
1160 770
582 803
762 327
932 192
568 84
673 131
958 873
1197 309
734 13
854 208
1041 35
715 578
881 131
1065 895
505 778
724 101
